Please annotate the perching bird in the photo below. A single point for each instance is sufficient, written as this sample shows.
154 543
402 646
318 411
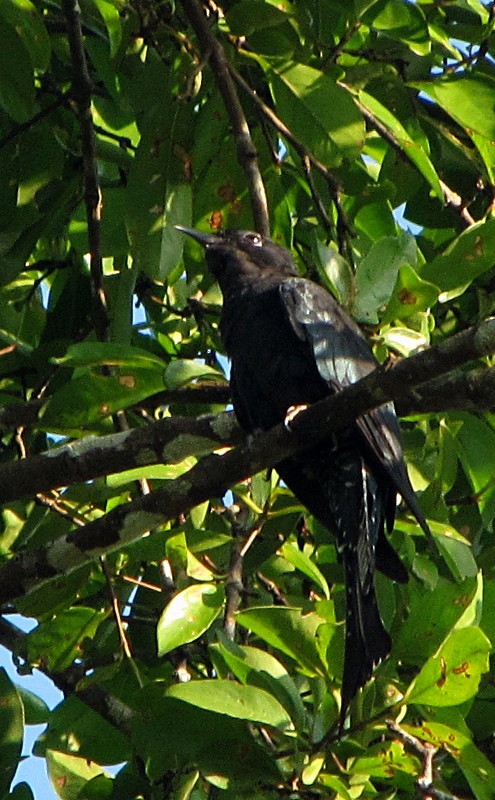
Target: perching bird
291 344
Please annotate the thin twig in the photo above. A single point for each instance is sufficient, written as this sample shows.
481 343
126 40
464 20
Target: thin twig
81 97
246 151
234 586
114 602
451 197
427 753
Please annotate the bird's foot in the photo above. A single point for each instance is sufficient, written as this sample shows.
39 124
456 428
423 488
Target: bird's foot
292 413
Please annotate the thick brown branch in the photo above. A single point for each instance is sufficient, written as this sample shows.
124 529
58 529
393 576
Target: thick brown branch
214 474
174 438
246 152
167 441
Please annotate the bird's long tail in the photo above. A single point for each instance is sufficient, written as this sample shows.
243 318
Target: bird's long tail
366 640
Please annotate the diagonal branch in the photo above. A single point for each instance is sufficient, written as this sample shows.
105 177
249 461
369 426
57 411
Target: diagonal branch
214 474
344 231
246 151
171 439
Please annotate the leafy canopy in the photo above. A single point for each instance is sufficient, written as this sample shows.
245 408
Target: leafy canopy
360 114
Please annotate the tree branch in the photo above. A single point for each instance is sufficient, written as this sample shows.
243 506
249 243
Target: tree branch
451 197
246 151
81 97
344 229
171 439
214 474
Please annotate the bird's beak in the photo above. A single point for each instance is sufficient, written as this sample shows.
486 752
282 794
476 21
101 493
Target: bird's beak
204 239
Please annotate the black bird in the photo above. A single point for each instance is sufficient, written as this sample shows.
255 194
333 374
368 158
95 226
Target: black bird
291 344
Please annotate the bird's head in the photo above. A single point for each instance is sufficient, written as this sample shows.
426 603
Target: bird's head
233 253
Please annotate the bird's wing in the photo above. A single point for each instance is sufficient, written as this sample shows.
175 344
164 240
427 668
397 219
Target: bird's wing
343 356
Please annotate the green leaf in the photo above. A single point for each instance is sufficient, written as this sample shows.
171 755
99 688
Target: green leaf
336 272
28 23
254 15
385 760
70 774
58 641
433 614
35 708
183 370
474 441
258 668
188 615
288 630
453 674
377 273
301 561
413 150
478 770
467 98
406 23
158 195
95 354
11 730
410 295
110 14
16 75
233 700
86 400
219 745
318 111
76 729
470 254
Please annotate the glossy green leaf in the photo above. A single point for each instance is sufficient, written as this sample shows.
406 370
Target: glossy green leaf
405 22
385 760
58 641
76 729
16 75
318 111
256 667
218 744
478 770
188 615
158 194
109 11
468 100
85 401
92 354
70 774
302 561
288 630
410 295
233 700
11 730
377 273
433 614
253 15
413 150
468 256
182 371
453 674
28 23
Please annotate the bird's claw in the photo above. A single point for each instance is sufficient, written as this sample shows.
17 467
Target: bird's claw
292 413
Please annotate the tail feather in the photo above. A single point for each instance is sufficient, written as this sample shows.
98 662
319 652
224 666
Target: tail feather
367 642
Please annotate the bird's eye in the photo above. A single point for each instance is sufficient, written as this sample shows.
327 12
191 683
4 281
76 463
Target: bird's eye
255 238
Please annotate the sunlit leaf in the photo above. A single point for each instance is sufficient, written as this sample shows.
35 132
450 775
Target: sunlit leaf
452 675
188 615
